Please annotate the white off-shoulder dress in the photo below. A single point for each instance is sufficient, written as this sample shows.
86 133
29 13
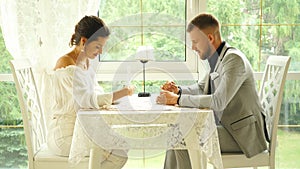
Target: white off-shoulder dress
73 88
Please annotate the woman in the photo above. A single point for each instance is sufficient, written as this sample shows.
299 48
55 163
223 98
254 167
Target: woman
74 81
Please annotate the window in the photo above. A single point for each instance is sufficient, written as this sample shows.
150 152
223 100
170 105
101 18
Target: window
161 24
12 146
260 28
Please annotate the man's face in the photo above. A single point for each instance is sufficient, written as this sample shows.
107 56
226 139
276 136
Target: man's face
201 43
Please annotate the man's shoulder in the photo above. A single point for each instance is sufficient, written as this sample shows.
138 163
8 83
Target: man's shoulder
232 51
227 49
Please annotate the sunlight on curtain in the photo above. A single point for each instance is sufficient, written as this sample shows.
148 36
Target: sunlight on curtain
41 30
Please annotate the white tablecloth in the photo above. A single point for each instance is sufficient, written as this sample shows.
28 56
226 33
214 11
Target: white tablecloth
140 123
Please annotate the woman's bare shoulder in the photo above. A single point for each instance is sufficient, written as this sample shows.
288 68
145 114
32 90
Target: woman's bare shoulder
64 61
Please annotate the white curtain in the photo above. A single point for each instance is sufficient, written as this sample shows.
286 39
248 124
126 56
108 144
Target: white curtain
41 30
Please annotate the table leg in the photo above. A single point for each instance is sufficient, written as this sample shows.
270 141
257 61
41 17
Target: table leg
198 159
95 158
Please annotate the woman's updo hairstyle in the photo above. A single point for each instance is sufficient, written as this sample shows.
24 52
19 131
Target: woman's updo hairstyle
88 26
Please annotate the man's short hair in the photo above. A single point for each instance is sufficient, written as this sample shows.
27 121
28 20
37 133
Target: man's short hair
203 21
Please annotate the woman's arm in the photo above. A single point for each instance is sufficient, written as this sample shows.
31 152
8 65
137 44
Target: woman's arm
126 91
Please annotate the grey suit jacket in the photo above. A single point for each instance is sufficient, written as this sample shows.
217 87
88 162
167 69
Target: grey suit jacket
235 100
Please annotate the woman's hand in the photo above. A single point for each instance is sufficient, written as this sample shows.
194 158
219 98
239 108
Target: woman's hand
170 86
126 91
129 89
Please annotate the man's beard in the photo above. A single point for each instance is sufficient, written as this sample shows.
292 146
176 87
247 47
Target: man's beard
208 53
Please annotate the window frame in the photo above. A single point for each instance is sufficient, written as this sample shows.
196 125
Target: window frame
156 70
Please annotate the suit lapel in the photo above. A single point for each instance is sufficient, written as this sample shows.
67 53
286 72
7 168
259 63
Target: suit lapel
220 58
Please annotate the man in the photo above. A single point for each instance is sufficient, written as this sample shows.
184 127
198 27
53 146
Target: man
229 90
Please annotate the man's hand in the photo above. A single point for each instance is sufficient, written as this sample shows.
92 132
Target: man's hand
167 97
171 87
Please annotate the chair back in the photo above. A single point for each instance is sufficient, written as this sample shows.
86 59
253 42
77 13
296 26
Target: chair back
271 91
32 113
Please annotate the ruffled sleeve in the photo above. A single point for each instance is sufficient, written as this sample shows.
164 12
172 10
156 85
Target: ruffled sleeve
85 93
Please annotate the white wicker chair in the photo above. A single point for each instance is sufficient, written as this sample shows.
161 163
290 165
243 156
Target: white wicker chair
35 130
270 93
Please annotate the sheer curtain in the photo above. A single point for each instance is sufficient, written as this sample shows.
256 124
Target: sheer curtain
41 30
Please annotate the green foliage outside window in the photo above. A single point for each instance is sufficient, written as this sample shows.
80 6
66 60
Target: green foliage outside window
13 153
4 56
159 23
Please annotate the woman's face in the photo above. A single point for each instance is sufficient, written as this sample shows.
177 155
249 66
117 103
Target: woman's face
94 48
